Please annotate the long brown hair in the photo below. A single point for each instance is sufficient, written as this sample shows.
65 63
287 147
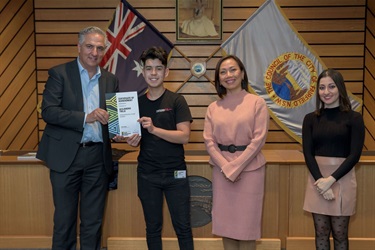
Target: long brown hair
338 79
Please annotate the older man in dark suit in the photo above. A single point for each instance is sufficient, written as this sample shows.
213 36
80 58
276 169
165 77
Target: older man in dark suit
75 144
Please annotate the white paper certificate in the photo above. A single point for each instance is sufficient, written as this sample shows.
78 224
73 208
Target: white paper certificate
124 113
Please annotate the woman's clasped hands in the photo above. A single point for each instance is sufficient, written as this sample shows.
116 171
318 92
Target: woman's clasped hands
323 186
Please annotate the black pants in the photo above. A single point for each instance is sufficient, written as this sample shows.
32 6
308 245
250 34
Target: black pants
151 189
85 185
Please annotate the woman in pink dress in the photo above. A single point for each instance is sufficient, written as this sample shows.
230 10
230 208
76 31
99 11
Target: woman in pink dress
235 131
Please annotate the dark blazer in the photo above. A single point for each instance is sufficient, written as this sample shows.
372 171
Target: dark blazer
62 110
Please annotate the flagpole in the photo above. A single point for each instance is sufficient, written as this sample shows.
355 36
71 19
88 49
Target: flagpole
184 56
187 79
212 54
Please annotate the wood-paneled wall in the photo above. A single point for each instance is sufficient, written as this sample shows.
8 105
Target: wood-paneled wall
335 29
369 76
18 94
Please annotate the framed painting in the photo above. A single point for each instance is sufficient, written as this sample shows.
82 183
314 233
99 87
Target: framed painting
198 20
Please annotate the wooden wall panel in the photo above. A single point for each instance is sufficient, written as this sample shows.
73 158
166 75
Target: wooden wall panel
18 93
370 126
369 76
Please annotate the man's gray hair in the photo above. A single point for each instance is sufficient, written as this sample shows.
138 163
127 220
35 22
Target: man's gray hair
89 30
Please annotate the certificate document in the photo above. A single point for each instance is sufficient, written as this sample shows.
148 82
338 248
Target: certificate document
123 113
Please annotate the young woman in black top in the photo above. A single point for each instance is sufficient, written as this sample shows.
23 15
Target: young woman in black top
333 137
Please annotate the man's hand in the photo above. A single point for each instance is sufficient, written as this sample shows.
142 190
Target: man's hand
134 140
146 123
99 115
119 138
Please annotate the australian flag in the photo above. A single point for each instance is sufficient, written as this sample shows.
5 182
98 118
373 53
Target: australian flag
129 34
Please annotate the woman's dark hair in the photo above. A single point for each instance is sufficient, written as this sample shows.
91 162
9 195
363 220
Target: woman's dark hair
220 89
338 79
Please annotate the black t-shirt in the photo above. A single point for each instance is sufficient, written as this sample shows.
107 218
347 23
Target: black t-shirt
158 155
334 133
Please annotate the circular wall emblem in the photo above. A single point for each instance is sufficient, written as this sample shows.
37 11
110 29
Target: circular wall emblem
200 200
198 69
291 79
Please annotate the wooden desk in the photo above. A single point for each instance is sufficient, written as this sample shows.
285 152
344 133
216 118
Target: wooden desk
26 209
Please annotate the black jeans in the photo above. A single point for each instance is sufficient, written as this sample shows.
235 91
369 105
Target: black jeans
151 189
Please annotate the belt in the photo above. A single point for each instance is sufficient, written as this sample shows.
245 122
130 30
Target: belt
89 144
232 148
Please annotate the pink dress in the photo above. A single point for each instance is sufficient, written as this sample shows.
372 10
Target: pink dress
239 119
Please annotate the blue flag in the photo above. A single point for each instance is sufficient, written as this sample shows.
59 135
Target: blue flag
129 34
